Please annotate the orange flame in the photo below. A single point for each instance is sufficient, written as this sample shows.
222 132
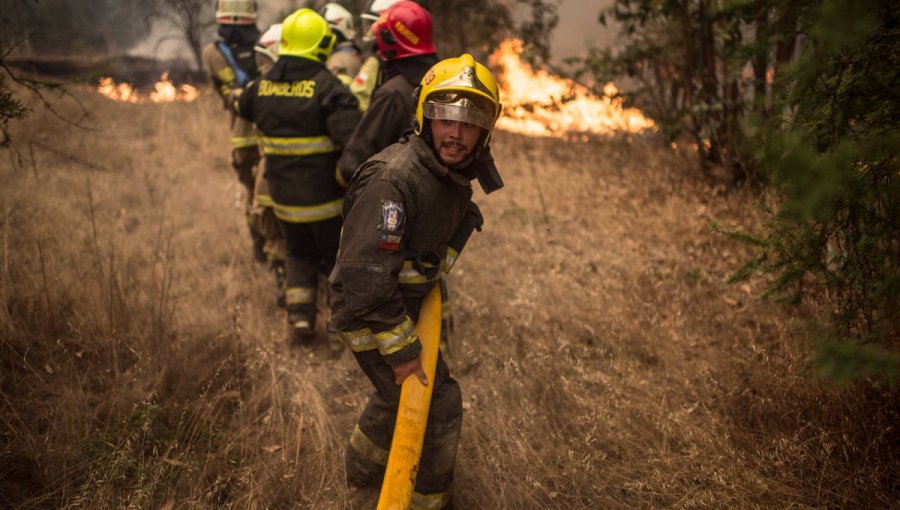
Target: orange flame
164 91
538 103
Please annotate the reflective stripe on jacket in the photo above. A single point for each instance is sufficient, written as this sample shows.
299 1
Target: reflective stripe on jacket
304 116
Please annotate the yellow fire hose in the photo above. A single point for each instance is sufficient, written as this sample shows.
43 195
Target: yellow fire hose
412 414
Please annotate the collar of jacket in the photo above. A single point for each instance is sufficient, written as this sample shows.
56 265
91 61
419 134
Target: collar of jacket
425 154
412 69
289 68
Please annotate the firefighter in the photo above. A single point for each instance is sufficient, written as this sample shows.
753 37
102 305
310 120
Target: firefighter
230 65
405 45
264 216
407 215
404 41
346 57
305 115
367 78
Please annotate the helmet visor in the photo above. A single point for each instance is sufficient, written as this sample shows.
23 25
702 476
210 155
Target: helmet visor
462 108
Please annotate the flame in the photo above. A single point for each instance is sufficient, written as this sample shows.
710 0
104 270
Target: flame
538 103
164 91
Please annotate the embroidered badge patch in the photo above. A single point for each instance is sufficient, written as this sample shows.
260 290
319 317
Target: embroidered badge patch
391 215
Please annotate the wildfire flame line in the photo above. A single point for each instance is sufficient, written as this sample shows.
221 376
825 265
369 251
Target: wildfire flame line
164 91
538 103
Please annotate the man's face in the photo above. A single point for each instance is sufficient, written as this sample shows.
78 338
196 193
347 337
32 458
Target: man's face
454 140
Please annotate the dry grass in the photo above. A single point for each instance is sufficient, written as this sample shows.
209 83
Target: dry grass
604 363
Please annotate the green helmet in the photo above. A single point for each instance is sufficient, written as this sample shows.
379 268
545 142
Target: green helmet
306 34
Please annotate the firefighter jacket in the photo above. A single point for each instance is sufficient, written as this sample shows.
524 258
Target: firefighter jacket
366 80
403 212
390 114
230 67
224 72
304 116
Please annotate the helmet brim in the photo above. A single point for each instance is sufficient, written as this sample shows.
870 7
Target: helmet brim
459 113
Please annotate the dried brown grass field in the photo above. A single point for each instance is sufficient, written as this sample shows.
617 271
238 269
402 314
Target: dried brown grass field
603 360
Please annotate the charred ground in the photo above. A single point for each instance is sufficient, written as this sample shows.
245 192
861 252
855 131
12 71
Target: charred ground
603 361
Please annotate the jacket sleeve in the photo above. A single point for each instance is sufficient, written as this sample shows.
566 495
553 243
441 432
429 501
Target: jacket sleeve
341 110
369 264
377 129
219 72
242 103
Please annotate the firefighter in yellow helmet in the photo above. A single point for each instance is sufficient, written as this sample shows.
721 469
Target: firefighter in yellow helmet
264 215
407 216
304 115
230 65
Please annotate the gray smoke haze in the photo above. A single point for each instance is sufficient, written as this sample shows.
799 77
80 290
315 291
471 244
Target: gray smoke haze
110 27
579 29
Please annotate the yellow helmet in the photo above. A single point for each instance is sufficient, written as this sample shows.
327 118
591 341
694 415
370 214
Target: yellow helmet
459 89
306 34
236 12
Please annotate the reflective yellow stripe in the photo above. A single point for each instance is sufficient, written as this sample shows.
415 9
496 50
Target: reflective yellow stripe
393 340
434 501
264 200
310 213
299 146
449 260
300 295
365 447
409 275
358 341
227 77
240 142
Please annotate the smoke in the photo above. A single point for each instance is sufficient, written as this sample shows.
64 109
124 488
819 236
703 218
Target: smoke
60 27
65 27
580 29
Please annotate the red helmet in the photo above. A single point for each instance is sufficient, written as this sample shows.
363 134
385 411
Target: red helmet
404 30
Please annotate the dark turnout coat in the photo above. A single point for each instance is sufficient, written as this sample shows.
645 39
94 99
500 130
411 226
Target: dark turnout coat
406 217
305 116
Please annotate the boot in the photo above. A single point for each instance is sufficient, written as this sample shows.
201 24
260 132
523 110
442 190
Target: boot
301 328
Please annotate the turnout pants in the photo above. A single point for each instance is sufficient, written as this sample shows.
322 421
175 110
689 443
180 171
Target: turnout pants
311 249
367 454
264 219
245 159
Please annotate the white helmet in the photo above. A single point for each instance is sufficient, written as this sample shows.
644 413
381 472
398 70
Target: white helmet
236 12
374 11
339 19
268 42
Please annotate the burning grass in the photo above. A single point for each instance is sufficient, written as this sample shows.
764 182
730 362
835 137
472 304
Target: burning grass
603 362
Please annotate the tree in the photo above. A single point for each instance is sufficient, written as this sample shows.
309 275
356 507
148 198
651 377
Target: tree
804 96
191 18
832 153
701 68
478 27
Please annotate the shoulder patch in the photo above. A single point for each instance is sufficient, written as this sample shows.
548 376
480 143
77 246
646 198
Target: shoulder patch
391 216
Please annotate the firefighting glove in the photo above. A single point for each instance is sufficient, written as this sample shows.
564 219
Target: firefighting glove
472 221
